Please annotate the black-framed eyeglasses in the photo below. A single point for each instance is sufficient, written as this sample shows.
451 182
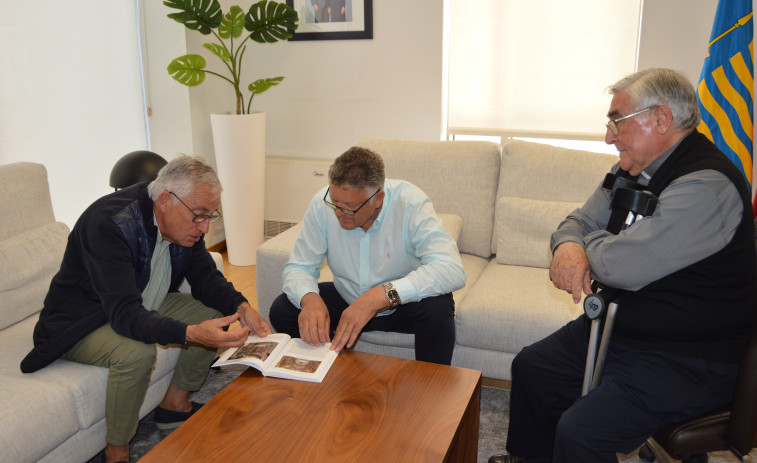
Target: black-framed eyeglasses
612 124
199 218
346 211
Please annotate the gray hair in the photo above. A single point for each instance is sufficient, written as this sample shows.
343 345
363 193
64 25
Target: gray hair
359 168
182 174
659 86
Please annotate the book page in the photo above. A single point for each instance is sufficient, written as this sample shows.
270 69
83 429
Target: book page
258 352
304 362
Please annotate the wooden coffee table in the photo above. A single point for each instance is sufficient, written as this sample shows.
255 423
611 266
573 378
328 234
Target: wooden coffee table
369 408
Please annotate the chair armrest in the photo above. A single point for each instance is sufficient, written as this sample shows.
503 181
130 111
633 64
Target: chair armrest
742 427
269 260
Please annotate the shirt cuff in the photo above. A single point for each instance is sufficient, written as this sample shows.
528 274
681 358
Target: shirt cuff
405 290
298 293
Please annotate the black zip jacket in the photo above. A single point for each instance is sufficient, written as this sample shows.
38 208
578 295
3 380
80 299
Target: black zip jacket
106 266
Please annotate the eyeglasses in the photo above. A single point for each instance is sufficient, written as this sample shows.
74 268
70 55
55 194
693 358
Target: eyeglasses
346 211
199 218
612 124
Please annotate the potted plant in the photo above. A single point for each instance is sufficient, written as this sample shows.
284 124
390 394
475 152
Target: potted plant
238 139
265 22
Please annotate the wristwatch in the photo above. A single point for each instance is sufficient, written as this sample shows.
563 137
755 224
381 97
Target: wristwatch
391 295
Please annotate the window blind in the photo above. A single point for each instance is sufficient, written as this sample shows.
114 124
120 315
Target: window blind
70 93
538 65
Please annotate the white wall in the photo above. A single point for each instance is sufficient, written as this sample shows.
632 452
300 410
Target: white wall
337 92
675 34
167 100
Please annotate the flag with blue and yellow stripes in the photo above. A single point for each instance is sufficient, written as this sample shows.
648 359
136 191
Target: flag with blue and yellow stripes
726 84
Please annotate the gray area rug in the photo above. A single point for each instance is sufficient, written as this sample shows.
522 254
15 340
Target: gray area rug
492 429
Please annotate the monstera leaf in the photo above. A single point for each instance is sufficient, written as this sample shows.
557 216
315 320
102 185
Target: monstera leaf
267 21
218 50
261 85
232 24
270 22
197 15
188 69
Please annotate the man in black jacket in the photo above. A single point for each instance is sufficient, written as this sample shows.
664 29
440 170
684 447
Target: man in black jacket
115 296
687 273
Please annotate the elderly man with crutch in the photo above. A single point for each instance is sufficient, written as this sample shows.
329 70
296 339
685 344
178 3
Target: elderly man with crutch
687 276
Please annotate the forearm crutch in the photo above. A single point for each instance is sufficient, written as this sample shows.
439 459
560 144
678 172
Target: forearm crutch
604 301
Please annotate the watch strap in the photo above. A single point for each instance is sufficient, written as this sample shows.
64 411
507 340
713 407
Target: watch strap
392 295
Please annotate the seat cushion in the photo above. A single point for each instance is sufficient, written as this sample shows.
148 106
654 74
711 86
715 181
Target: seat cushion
510 307
37 417
85 384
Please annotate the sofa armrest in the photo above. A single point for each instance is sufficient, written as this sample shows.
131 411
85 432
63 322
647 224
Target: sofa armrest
270 259
217 257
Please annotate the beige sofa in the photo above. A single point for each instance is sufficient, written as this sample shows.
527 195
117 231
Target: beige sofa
58 413
510 199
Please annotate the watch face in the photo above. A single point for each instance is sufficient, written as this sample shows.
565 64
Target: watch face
391 295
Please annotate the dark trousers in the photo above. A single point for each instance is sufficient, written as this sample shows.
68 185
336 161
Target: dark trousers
640 393
432 320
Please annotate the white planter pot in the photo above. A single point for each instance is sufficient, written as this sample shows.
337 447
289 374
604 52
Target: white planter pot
239 142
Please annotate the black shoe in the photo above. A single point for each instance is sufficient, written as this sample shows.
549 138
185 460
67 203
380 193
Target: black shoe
166 420
511 459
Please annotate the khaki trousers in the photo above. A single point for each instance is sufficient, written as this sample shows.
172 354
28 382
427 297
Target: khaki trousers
130 364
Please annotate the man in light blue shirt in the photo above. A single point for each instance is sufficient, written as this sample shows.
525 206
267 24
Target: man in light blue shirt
394 265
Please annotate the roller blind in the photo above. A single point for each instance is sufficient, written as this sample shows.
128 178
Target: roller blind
538 65
70 93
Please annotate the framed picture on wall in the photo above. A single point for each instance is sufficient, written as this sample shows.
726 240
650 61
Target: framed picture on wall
333 19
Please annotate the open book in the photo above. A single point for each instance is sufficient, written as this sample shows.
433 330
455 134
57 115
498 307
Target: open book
278 355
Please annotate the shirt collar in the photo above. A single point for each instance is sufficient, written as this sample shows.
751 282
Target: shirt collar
159 238
646 175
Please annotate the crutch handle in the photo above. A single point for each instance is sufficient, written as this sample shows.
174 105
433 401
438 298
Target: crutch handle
641 203
596 304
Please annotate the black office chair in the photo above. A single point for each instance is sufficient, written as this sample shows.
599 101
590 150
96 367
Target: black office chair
136 167
732 428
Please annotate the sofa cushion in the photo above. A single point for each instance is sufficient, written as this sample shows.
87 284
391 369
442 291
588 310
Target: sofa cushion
460 177
473 266
510 307
85 384
15 342
538 171
37 417
26 200
453 224
524 228
30 259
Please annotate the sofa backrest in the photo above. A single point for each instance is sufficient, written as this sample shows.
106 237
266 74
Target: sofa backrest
460 177
26 200
538 186
31 242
